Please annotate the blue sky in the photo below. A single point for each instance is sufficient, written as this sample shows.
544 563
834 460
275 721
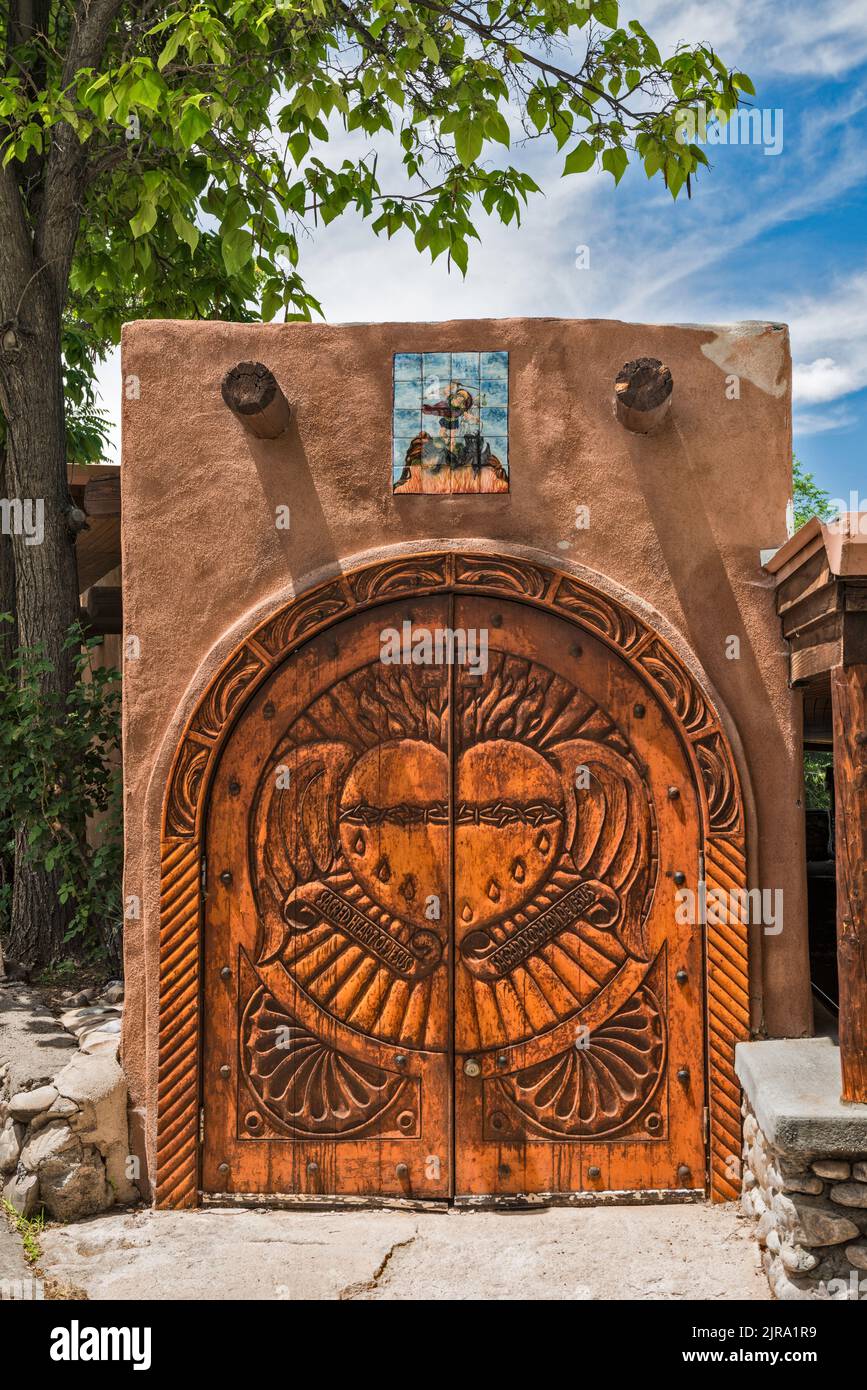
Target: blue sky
778 237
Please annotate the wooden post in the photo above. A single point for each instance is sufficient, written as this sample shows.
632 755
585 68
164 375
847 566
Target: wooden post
251 392
849 704
642 393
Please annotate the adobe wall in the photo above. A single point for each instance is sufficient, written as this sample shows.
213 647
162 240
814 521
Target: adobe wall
677 521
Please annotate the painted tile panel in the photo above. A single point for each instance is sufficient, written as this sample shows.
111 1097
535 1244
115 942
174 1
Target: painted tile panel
450 422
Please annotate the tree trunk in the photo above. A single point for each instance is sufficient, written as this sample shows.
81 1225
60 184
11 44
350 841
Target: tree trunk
8 631
46 585
41 204
8 643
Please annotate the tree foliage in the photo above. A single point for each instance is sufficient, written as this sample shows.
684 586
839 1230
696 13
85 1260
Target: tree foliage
817 795
60 765
207 126
810 499
168 159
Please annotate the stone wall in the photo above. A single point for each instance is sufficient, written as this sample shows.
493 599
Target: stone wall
64 1139
811 1218
804 1169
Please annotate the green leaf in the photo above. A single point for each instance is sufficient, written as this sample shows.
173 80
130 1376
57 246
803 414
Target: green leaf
674 176
605 12
186 230
299 144
537 108
615 161
144 219
561 128
147 92
235 213
172 46
579 160
653 161
193 124
459 252
497 128
272 299
237 249
469 140
743 83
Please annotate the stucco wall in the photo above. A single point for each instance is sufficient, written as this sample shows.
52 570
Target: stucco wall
677 521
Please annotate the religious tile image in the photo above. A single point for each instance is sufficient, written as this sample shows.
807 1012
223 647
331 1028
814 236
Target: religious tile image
450 422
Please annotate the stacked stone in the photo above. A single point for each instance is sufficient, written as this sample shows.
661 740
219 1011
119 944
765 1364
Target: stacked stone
64 1146
811 1215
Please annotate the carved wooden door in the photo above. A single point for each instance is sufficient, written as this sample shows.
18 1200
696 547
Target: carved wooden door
327 940
441 947
578 995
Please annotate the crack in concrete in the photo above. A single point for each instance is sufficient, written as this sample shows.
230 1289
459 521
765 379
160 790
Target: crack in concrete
367 1285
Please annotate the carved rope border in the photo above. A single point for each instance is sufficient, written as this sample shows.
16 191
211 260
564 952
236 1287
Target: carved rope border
701 731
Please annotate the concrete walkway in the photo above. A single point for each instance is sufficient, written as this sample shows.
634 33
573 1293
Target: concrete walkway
671 1252
16 1277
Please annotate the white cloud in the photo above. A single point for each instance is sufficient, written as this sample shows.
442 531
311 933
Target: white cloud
823 380
797 38
823 421
829 334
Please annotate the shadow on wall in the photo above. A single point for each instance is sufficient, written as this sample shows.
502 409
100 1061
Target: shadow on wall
703 581
290 495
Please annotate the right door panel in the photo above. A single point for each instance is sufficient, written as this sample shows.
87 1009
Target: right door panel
578 994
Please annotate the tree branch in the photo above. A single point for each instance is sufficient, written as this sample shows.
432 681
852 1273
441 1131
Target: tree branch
459 17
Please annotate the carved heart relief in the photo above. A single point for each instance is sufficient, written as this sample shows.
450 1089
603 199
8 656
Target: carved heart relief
508 834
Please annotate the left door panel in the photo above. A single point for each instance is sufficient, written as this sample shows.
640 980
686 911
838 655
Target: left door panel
328 925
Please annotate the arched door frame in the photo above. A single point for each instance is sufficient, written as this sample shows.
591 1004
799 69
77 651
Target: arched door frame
627 633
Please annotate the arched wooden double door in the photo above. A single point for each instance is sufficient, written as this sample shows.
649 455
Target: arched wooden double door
441 950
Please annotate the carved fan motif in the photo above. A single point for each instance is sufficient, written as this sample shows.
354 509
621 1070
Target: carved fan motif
594 1090
307 1088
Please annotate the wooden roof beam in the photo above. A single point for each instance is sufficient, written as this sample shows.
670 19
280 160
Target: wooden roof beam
251 392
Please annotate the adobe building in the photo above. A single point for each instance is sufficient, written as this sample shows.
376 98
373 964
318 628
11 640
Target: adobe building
459 724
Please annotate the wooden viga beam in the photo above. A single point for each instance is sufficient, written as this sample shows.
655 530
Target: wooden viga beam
102 615
251 392
102 496
98 496
642 394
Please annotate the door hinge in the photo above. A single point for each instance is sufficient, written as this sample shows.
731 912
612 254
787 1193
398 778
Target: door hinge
201 1124
204 872
705 1124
